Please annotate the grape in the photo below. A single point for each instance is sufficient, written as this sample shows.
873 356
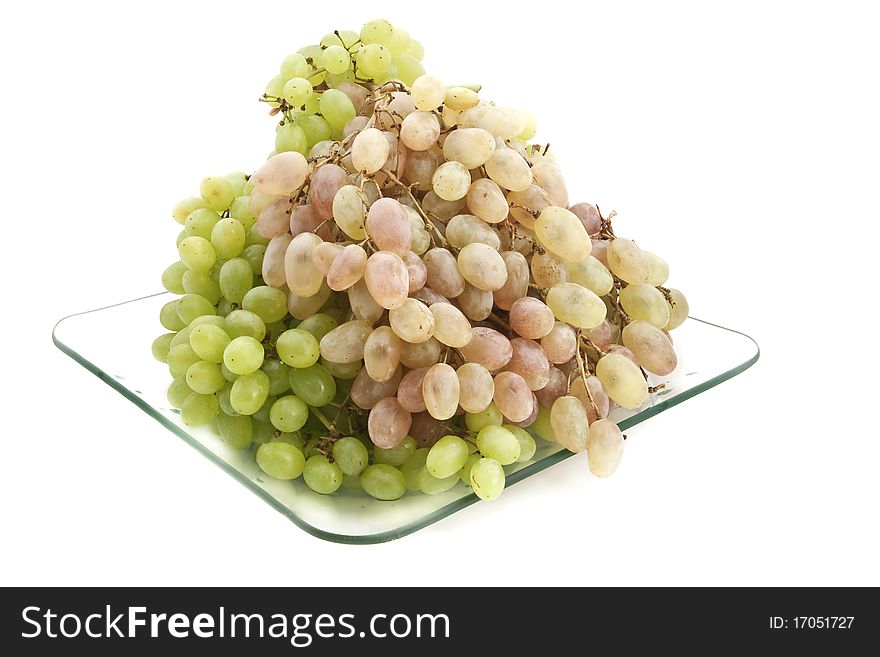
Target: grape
472 147
324 255
531 318
622 380
315 385
461 98
548 270
464 229
441 390
338 110
561 232
362 303
291 137
243 355
208 342
658 270
342 371
650 346
304 219
389 226
303 278
172 277
465 473
530 362
249 392
409 391
490 416
446 457
408 68
373 60
387 279
428 296
420 130
259 201
604 448
622 350
298 348
201 222
513 396
228 237
542 427
180 358
487 347
382 353
482 266
487 478
589 216
346 342
369 151
191 306
283 173
383 481
596 396
527 204
396 455
169 318
451 327
576 305
451 181
186 207
592 274
268 303
236 279
443 273
498 443
198 410
474 303
161 346
203 284
420 167
412 321
679 310
556 387
526 443
643 302
568 417
197 253
548 175
322 476
428 93
441 208
507 168
237 431
627 261
416 272
304 307
288 413
348 268
486 200
254 254
349 211
244 322
315 128
279 376
388 423
335 59
327 179
366 393
280 460
476 387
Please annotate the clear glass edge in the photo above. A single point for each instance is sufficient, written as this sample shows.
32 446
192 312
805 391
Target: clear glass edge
426 520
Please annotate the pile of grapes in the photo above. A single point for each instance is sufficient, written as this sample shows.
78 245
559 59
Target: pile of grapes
403 287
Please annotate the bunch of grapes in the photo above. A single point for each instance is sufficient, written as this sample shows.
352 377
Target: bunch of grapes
402 288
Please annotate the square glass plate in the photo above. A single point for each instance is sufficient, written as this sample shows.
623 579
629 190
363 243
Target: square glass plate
708 354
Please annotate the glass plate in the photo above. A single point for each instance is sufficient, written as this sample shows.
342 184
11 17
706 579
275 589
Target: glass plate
708 354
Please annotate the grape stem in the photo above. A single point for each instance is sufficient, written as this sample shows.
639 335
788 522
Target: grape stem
583 369
327 423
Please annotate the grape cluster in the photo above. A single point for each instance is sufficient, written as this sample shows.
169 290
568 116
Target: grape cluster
403 287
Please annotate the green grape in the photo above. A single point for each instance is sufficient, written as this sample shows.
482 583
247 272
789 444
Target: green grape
408 68
180 358
191 306
238 180
294 66
334 80
185 207
315 385
197 253
274 88
297 91
491 416
288 413
335 59
279 376
209 342
344 38
541 425
298 348
254 255
291 137
268 302
224 307
465 473
244 322
181 337
274 330
198 410
498 443
373 60
377 31
228 374
263 412
319 325
322 476
337 109
527 446
228 237
201 222
201 283
249 392
254 237
396 455
487 478
180 237
431 485
237 431
178 391
212 320
263 432
343 371
172 277
311 106
204 377
447 456
291 438
217 192
243 355
383 481
223 398
316 129
236 278
350 455
240 210
169 318
351 483
413 466
280 460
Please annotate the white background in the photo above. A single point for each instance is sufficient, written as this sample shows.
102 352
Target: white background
739 142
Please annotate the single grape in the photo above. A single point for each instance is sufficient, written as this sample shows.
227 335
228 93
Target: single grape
315 385
280 460
447 457
322 476
237 431
350 455
487 478
243 355
298 348
289 413
198 410
383 481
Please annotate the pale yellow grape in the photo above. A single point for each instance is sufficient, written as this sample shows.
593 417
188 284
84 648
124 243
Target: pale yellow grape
420 167
283 173
568 417
366 393
187 206
642 301
349 212
388 423
387 279
412 321
303 278
627 261
476 387
591 394
420 130
464 229
409 391
548 270
487 201
547 174
592 274
297 91
416 271
259 201
362 303
443 274
525 205
507 168
304 307
324 255
441 391
389 226
604 448
531 318
423 354
541 426
201 222
294 66
658 269
482 266
347 268
461 98
451 327
651 347
560 231
197 253
421 239
451 181
441 208
474 303
382 353
489 416
428 296
496 121
345 343
428 92
472 147
449 117
576 305
512 396
560 343
217 193
678 310
335 59
517 284
487 479
530 127
498 443
408 68
622 380
369 151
